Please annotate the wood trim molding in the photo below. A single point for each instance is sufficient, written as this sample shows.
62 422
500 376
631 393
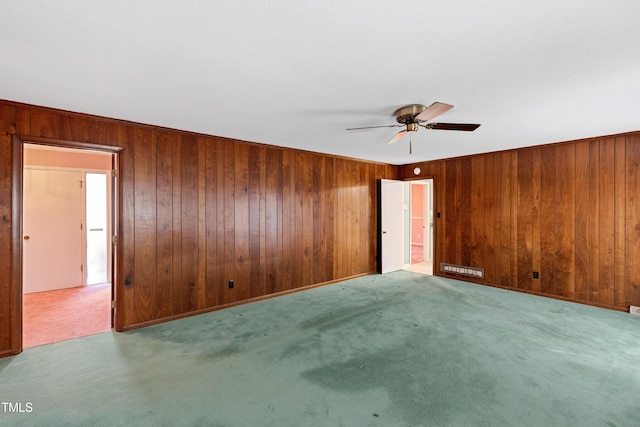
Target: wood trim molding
67 144
530 292
237 303
16 245
17 146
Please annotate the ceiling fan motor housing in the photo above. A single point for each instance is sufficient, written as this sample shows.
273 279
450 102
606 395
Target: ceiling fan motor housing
407 115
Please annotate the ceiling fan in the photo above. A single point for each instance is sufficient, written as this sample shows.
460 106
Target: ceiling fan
414 115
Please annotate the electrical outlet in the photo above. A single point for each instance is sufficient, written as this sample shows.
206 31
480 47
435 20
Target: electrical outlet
635 310
536 275
230 284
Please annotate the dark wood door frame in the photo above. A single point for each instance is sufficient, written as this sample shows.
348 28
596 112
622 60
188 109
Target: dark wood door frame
17 166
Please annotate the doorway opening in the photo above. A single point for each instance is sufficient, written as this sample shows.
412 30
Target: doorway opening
67 256
406 235
97 226
419 231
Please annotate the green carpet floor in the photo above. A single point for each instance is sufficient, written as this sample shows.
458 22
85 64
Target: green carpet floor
399 349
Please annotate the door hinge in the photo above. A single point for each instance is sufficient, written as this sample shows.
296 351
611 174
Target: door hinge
113 303
114 240
114 173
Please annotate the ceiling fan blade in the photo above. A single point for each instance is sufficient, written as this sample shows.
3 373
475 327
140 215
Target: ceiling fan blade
453 126
434 110
397 137
374 127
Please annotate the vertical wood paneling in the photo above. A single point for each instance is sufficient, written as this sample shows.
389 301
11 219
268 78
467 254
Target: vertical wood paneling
22 121
353 221
127 227
606 221
632 208
451 230
567 210
75 129
262 198
288 218
214 241
547 220
241 231
229 295
256 254
202 225
144 152
164 209
220 276
594 221
524 215
189 224
299 221
478 186
504 263
360 196
199 211
319 225
363 218
274 221
179 291
620 185
565 220
582 222
513 232
491 226
535 218
339 264
308 220
350 247
330 213
439 174
464 209
45 124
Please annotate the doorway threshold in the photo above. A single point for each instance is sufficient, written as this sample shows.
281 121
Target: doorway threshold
424 267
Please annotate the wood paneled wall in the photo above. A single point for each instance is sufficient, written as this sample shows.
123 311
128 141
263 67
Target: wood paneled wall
570 211
198 211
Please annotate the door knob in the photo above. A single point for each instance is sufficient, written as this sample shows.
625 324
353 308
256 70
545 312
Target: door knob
26 237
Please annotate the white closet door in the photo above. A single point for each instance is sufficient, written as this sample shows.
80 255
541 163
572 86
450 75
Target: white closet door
52 230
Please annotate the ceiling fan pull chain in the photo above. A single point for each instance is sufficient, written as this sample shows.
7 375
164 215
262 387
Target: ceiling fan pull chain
410 145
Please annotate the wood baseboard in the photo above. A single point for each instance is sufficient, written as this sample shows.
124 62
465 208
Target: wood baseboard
540 294
237 303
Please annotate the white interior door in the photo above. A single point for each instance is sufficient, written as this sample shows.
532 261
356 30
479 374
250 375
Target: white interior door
391 220
53 214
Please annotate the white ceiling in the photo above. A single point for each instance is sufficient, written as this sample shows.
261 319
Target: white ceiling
296 73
